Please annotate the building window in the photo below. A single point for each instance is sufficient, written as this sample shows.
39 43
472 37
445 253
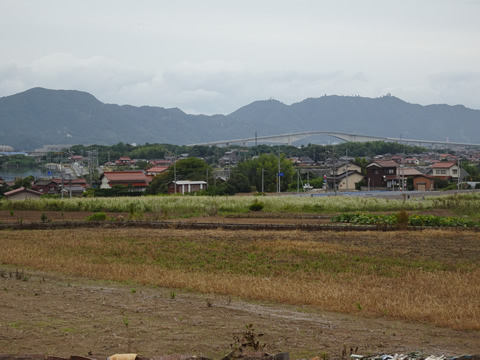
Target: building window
391 171
375 171
441 172
454 172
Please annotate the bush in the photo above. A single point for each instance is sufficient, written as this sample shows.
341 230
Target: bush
256 206
99 216
402 219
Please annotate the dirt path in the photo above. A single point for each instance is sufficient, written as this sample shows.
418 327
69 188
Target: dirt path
57 315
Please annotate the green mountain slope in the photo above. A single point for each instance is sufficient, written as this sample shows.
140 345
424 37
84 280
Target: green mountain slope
40 116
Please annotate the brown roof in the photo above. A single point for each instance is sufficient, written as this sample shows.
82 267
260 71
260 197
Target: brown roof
157 169
125 176
384 163
409 172
22 189
443 164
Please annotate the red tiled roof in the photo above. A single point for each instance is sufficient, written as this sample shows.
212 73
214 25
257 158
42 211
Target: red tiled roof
443 164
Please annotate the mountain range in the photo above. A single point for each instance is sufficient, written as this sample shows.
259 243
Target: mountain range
40 116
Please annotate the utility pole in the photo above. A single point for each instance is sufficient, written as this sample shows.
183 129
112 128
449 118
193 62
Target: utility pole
175 172
70 178
458 175
278 175
61 168
263 180
346 179
334 169
298 181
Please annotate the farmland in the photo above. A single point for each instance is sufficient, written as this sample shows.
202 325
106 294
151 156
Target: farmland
311 292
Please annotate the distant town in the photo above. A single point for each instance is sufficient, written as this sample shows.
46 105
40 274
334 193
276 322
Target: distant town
151 169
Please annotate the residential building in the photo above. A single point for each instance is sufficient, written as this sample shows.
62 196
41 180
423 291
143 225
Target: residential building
343 167
124 161
230 158
305 161
345 181
156 170
75 190
47 186
134 179
446 170
22 194
161 162
412 161
421 181
382 174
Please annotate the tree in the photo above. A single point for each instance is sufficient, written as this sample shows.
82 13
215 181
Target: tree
239 182
26 182
186 169
252 169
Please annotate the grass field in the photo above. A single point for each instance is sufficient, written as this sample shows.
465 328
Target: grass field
165 206
430 276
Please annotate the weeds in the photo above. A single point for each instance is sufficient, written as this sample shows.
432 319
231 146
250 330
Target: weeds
402 219
99 216
256 206
19 275
245 340
129 340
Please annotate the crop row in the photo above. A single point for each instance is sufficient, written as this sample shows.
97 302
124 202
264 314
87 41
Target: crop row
413 220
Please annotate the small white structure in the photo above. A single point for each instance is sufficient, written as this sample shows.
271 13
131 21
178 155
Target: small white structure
186 186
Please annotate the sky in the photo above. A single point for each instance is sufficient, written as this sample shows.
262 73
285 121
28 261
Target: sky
215 56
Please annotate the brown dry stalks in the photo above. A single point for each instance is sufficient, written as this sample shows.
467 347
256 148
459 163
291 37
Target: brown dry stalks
429 277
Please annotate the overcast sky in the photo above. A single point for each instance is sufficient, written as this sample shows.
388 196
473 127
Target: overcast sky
207 56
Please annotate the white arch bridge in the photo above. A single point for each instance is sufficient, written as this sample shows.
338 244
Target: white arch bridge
292 137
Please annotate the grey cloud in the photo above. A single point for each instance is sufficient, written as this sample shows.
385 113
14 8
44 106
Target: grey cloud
456 87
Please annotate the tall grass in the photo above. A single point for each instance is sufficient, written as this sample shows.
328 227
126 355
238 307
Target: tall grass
415 276
464 204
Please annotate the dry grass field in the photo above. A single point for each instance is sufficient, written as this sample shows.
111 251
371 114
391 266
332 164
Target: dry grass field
428 277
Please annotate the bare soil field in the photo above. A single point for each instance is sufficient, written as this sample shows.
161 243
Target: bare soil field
60 315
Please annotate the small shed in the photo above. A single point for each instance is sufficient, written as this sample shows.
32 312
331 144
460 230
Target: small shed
186 186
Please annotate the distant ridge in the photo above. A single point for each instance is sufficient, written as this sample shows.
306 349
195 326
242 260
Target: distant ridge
40 116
